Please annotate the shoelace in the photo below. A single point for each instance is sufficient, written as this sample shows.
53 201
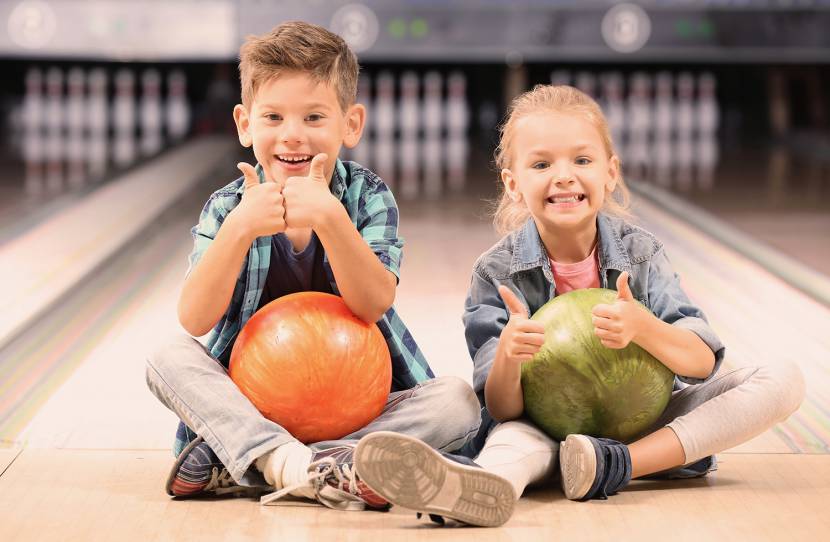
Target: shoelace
221 482
333 497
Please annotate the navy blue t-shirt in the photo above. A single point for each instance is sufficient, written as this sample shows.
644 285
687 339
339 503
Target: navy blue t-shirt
291 272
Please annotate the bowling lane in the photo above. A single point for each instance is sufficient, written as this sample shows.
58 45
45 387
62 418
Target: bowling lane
71 129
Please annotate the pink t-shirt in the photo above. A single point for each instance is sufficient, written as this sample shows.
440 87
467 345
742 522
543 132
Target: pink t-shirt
573 276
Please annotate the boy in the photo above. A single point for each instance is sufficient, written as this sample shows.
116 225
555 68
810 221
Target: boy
301 220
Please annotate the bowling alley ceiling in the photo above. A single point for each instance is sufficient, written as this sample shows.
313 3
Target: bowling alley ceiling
429 30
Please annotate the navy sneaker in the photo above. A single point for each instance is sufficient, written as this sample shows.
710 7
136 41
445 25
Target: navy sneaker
407 472
593 468
198 472
332 477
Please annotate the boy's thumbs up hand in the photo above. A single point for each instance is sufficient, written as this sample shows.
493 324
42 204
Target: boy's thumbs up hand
618 323
521 338
317 171
251 177
261 211
308 201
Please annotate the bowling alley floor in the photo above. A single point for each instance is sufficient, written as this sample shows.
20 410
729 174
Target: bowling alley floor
117 495
85 454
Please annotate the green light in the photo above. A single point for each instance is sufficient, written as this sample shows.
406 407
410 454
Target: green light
418 28
397 28
683 28
706 29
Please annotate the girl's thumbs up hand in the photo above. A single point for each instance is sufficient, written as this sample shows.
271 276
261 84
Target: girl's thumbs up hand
618 323
522 337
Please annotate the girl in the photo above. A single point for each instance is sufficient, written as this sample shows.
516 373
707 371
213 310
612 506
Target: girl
564 206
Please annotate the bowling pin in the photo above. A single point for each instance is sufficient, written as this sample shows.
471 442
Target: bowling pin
587 83
708 111
177 108
684 118
433 147
458 119
684 114
708 119
54 120
33 144
75 127
363 151
384 158
663 127
150 113
123 118
639 120
409 119
613 106
97 149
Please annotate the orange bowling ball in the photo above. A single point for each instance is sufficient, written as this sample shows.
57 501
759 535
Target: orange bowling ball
309 364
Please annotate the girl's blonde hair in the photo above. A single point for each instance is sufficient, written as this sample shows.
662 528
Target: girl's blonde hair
510 215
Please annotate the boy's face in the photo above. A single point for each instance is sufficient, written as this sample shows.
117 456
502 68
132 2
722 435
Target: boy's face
293 118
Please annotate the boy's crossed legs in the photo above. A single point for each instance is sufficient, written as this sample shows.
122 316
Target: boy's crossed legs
259 454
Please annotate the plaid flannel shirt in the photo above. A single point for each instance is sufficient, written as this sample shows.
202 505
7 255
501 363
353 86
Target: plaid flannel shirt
373 211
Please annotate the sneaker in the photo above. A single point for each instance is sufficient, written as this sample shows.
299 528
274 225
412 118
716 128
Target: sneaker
593 468
332 476
198 472
409 473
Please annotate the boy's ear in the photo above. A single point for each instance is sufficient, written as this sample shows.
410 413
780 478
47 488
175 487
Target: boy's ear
510 186
355 122
613 173
243 124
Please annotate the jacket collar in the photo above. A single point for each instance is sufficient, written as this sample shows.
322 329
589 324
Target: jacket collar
529 251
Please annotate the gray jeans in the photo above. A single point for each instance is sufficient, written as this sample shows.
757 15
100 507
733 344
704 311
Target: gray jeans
443 412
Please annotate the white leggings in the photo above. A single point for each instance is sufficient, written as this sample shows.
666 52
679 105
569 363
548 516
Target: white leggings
707 418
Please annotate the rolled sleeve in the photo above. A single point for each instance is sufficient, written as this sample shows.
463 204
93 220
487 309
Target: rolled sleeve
484 319
669 303
700 328
379 228
203 233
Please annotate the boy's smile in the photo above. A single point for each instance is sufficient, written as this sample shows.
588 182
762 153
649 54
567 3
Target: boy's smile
292 119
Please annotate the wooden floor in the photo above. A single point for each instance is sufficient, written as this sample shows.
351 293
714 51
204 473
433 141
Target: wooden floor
87 495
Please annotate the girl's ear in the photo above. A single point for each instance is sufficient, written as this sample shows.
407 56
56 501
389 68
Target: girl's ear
511 187
355 122
242 121
613 174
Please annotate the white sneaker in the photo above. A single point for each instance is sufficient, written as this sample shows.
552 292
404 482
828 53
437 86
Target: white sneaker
407 472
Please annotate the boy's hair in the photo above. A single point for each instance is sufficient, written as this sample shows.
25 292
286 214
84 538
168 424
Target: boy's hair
296 46
510 215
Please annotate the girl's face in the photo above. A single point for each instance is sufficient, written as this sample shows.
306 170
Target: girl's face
560 170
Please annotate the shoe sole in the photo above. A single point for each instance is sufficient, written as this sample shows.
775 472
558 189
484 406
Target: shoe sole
578 466
409 473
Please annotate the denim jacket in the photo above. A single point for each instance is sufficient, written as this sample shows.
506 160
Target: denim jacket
520 262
